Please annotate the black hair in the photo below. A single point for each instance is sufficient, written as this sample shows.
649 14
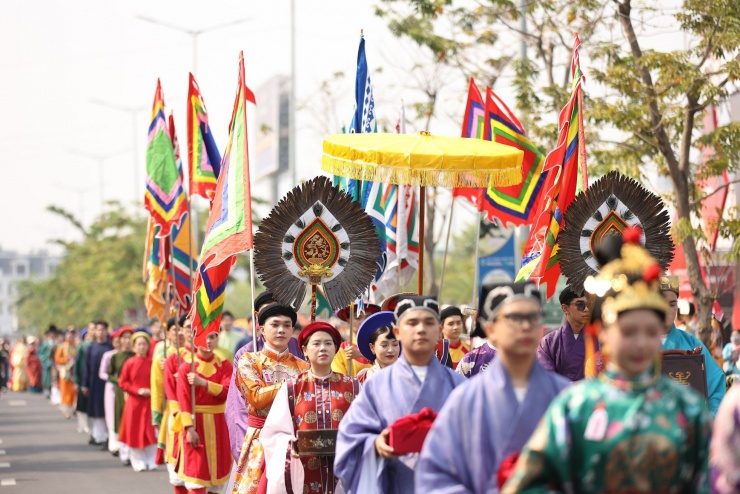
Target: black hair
102 323
227 313
171 323
182 319
383 330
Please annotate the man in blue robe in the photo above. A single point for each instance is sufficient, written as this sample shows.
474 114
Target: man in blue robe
675 339
93 387
364 461
564 350
490 418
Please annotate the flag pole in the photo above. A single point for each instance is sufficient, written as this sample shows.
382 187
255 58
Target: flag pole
477 253
254 309
351 334
447 245
422 211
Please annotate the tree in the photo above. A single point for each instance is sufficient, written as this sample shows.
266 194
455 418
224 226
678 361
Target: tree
647 108
98 278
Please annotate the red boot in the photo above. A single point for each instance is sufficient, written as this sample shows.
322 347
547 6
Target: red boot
181 489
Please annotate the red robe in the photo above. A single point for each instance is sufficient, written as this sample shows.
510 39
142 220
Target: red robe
209 464
172 437
135 375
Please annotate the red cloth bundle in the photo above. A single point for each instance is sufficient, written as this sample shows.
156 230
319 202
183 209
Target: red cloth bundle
506 469
408 433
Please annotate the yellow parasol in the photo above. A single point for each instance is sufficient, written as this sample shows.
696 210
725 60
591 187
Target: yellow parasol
424 160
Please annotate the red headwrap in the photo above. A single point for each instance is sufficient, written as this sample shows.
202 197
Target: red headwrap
314 327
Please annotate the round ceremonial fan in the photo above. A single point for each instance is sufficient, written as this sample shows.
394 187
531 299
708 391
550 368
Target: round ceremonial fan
316 235
608 207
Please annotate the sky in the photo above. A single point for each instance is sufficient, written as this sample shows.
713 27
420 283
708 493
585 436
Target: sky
79 79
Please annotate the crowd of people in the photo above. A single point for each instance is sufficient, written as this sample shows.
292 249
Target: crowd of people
392 400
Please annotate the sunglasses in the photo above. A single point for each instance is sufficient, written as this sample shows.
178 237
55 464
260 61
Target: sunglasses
580 305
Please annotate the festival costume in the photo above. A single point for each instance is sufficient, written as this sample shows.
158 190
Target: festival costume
724 455
681 340
96 387
318 403
138 434
64 359
477 360
367 373
35 371
250 348
482 424
47 362
258 378
730 355
114 371
619 433
208 465
110 401
564 352
457 352
158 401
391 394
228 340
340 364
82 400
170 443
18 357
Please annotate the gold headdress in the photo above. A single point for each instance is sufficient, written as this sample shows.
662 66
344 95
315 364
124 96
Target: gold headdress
629 281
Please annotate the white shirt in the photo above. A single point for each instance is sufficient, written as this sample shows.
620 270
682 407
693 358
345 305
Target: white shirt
420 371
520 394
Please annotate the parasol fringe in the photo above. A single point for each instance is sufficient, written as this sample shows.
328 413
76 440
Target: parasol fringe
509 174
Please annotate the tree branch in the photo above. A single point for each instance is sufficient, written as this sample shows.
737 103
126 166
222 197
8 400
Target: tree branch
718 189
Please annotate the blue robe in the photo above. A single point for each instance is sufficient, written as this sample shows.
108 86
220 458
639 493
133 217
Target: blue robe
560 351
476 361
91 379
681 340
392 393
482 424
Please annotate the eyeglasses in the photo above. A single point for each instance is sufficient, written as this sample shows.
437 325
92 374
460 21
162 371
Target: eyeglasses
580 305
518 319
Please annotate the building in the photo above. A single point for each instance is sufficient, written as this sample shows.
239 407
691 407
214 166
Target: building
15 267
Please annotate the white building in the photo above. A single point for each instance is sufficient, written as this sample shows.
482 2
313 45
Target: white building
15 267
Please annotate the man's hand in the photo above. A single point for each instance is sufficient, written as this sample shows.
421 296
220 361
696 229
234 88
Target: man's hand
382 447
352 352
145 392
192 437
85 392
194 378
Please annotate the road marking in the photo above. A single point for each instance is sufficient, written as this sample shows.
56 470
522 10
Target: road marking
7 482
5 464
16 403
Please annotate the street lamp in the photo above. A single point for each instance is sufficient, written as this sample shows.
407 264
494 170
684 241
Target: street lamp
100 159
133 113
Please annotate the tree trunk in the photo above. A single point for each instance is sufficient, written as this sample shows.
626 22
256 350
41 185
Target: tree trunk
678 168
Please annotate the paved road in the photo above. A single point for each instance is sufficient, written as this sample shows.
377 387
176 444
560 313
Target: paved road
42 453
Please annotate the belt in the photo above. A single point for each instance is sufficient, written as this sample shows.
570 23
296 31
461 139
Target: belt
210 408
256 422
174 406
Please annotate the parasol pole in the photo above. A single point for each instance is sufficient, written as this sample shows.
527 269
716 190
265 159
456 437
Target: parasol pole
313 303
351 333
477 253
422 211
447 245
254 309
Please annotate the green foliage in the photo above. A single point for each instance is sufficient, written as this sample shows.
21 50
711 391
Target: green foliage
99 277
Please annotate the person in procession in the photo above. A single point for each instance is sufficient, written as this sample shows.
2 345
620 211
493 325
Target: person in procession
110 392
316 399
228 337
486 422
258 378
18 358
47 357
55 395
173 432
675 339
158 402
349 352
64 359
205 461
262 300
377 343
451 324
563 350
478 360
34 368
85 340
365 461
731 353
631 429
93 387
138 433
115 367
236 407
724 454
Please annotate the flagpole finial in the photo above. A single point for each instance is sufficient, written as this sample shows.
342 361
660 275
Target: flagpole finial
362 33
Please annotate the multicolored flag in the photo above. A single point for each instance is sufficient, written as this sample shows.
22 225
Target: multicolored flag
567 175
515 204
203 155
401 233
184 256
474 120
155 274
229 229
164 196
